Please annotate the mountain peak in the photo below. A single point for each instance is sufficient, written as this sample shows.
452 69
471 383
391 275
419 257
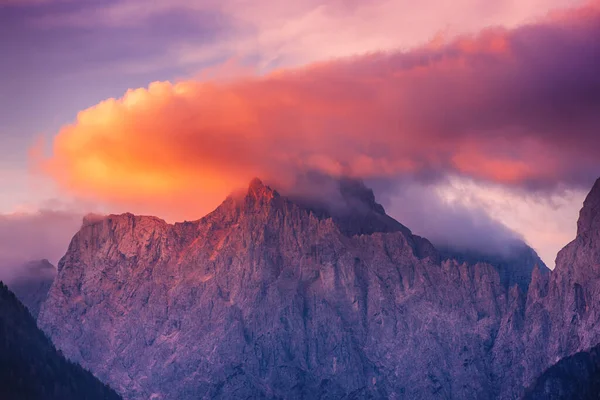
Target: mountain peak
257 189
357 195
259 194
348 201
255 183
39 266
589 216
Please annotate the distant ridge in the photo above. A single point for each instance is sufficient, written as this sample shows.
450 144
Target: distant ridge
32 283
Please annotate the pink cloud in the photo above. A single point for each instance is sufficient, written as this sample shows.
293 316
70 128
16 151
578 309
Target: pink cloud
517 107
288 34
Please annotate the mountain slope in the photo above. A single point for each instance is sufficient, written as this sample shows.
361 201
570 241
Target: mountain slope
32 283
30 367
266 297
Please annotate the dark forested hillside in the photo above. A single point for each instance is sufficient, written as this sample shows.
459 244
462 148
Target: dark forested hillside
573 378
30 366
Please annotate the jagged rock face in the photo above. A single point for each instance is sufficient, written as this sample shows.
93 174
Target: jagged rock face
32 283
265 298
558 318
562 312
559 315
31 368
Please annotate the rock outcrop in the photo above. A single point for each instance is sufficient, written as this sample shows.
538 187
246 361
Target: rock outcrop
32 283
269 297
31 368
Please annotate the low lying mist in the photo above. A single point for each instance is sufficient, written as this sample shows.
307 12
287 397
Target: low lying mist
33 236
450 225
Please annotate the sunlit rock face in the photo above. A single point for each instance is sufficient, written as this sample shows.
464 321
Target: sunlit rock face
269 297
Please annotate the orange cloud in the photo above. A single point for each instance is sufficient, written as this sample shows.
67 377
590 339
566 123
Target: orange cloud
490 41
493 107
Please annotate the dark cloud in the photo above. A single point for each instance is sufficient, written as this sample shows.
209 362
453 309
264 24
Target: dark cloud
447 224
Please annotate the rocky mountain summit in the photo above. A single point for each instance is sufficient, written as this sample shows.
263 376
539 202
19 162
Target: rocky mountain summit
273 297
32 283
31 368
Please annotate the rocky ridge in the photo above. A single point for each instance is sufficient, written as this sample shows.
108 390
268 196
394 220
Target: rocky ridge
267 297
